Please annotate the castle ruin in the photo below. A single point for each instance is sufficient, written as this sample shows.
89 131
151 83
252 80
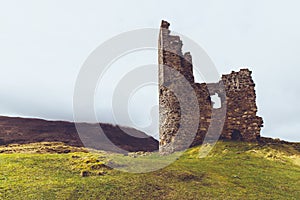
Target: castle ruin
236 119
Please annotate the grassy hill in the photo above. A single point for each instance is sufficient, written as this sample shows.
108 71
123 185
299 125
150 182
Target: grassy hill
232 170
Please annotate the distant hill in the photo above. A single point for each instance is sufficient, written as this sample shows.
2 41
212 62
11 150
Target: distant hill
15 130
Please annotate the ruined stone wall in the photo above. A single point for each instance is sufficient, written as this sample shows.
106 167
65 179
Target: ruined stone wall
242 122
236 91
174 125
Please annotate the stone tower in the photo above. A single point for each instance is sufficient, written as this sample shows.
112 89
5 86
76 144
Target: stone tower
237 96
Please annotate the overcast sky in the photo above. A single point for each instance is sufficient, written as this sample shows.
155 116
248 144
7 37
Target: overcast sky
43 44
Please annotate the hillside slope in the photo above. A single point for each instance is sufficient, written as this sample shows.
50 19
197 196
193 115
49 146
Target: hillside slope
25 130
233 170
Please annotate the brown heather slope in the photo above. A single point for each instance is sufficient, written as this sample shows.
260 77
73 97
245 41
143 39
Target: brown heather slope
15 130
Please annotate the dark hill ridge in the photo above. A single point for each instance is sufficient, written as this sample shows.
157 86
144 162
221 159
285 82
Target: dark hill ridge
25 130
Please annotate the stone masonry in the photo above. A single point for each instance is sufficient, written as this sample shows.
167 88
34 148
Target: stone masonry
238 110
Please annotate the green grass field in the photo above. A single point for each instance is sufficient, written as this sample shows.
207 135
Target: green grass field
233 170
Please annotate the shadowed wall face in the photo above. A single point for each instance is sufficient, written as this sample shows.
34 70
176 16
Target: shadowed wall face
237 96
